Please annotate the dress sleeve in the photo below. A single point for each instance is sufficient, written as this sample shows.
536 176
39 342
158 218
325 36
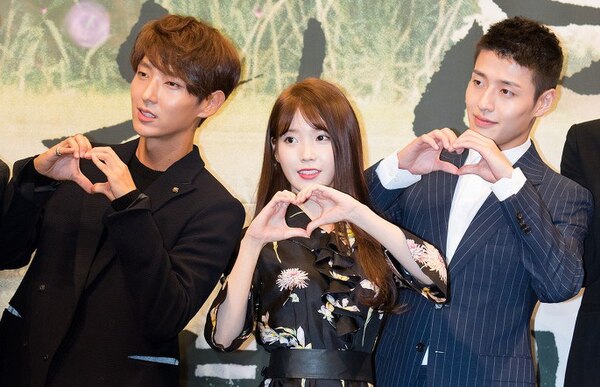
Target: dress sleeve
431 263
211 319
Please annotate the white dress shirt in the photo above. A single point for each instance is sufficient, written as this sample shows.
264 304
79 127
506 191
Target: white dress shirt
469 195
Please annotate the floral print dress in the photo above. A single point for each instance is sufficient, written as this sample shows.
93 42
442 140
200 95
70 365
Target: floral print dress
304 296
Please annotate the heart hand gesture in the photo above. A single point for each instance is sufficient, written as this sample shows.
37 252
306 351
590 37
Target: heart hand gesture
61 162
270 225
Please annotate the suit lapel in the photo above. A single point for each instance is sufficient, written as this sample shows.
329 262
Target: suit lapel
489 219
442 197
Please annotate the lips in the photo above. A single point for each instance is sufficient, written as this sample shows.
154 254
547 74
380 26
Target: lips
482 122
146 115
309 174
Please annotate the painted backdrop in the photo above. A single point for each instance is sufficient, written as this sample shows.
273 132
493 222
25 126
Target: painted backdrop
403 63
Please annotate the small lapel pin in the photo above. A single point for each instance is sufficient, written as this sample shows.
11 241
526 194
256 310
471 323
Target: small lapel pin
175 189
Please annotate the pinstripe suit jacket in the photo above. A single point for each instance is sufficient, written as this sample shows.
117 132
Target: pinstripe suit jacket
514 253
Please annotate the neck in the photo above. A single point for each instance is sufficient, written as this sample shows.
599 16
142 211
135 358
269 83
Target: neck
159 155
313 211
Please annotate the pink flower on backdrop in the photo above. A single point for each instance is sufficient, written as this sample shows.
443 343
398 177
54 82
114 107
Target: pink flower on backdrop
88 24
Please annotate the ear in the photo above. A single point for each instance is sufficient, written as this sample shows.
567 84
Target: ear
545 102
211 104
274 148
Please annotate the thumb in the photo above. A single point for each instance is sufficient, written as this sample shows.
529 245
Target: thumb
445 166
297 232
103 188
83 182
468 169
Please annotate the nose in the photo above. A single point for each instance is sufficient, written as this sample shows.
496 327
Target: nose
486 100
308 152
150 92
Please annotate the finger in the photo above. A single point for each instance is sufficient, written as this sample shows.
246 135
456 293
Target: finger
83 144
329 217
70 146
99 162
450 137
283 197
430 140
307 193
441 138
448 167
85 183
297 232
468 169
103 188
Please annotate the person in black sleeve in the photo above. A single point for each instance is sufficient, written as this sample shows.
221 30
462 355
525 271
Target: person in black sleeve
129 239
581 163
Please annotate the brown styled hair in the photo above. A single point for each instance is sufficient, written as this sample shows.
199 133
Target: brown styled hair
325 107
531 45
191 50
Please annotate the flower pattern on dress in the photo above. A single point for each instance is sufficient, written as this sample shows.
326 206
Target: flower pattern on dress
290 279
344 304
427 255
326 310
290 291
291 338
338 276
275 250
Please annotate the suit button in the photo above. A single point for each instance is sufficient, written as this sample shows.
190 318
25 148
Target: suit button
519 215
25 343
42 287
45 357
420 347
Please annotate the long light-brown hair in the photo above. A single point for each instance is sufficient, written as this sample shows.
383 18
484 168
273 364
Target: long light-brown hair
324 107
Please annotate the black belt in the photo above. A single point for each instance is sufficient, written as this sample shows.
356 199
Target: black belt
320 364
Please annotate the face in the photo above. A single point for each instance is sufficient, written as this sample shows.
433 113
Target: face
305 155
500 100
162 108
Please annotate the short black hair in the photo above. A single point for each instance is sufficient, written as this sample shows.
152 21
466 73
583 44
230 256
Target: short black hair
531 45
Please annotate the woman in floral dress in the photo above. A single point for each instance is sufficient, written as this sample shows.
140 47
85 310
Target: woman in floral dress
317 269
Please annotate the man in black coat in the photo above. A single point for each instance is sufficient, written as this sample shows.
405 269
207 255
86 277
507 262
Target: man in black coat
130 239
581 163
4 175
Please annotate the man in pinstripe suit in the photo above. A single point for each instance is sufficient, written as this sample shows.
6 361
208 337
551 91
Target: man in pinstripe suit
510 227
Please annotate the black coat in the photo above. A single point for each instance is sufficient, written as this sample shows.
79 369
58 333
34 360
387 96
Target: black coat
581 162
4 175
93 299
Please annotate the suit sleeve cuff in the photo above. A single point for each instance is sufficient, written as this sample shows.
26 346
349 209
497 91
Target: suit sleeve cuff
506 187
391 177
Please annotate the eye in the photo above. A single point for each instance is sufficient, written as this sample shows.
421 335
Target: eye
142 74
289 140
323 137
477 82
507 92
173 84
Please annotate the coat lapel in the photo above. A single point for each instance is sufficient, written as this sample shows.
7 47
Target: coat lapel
442 197
490 219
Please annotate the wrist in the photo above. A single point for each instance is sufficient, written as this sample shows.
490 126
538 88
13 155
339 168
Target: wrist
251 243
358 214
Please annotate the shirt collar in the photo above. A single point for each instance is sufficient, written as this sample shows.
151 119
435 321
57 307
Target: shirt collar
512 154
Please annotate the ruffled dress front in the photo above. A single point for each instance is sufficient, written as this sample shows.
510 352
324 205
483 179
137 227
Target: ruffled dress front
304 296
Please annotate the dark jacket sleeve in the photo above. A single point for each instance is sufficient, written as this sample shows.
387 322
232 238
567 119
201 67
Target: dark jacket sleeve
580 162
23 208
170 282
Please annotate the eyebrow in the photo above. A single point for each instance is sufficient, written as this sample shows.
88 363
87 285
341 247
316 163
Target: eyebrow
504 82
145 63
